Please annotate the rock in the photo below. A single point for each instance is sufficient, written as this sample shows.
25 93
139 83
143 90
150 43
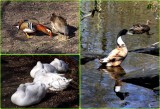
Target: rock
149 78
86 59
153 49
156 90
141 69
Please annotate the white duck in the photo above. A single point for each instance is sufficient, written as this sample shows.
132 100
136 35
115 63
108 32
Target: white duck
29 94
39 65
53 81
60 65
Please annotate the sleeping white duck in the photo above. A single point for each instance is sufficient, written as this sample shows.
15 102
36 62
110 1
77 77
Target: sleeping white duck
53 81
39 65
60 65
28 94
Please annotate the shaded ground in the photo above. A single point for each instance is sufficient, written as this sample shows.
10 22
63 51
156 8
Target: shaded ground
13 42
16 70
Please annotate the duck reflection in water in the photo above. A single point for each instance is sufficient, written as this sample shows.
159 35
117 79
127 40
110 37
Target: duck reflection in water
116 73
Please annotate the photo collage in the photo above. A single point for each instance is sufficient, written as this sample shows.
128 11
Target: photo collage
80 54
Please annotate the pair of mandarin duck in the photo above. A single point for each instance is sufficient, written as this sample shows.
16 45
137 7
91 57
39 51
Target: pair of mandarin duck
116 56
58 23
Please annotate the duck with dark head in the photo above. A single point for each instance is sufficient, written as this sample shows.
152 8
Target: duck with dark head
141 28
116 56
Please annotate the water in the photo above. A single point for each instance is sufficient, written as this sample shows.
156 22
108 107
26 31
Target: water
98 85
99 33
99 37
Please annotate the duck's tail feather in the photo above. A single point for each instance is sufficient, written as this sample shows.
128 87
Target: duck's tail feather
44 29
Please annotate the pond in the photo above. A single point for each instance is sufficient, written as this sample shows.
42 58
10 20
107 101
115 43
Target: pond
99 38
99 33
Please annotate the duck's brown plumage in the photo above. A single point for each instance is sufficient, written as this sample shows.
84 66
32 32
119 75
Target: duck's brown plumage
116 56
59 24
141 28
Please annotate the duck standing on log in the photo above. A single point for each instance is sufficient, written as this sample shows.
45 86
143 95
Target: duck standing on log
116 56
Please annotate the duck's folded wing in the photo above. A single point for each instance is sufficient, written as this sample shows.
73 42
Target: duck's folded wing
113 53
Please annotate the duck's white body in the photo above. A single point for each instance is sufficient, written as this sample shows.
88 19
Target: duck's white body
29 94
60 65
39 65
53 81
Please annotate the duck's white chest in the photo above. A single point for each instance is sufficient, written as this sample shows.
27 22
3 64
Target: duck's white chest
28 30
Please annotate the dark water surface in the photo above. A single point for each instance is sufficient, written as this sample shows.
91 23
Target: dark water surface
99 33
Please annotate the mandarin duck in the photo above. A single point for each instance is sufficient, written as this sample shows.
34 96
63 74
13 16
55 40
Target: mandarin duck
59 24
116 56
53 81
141 28
29 93
39 65
31 26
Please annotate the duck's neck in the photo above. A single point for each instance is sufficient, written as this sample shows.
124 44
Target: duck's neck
147 23
120 41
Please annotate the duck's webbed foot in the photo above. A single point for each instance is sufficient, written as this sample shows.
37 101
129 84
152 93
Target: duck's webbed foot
29 37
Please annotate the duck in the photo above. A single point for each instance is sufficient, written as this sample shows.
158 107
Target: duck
59 24
60 65
31 26
141 28
29 93
53 81
39 65
116 56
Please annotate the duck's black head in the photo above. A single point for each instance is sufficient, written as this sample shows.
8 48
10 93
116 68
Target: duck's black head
123 32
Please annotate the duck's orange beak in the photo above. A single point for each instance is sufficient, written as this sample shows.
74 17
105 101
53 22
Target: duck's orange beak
44 29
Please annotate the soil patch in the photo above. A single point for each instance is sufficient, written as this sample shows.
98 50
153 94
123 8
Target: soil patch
13 42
